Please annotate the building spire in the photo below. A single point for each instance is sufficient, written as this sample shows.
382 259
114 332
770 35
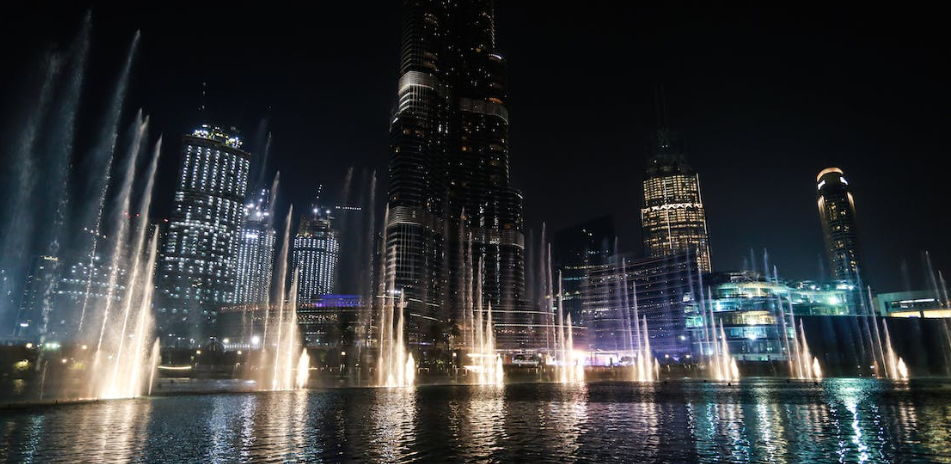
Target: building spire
204 99
665 138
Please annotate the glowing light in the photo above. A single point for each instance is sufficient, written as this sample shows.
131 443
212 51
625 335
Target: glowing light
175 368
902 369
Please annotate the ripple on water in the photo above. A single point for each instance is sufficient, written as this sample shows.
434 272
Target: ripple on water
759 420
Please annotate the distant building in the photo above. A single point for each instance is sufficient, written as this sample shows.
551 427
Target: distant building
918 303
65 286
578 249
40 281
330 320
673 218
837 213
316 252
750 309
325 322
199 259
659 288
255 261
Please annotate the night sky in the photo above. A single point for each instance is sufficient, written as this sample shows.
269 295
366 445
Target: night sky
762 97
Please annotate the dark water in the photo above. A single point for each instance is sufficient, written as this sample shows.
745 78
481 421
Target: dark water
758 421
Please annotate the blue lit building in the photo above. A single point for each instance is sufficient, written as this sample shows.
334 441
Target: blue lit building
750 309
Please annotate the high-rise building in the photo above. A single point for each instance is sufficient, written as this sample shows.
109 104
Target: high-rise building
658 289
837 213
40 282
316 252
56 292
673 218
576 251
255 252
449 188
197 272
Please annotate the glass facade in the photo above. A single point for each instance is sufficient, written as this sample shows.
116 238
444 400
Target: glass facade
578 249
673 218
255 261
750 309
199 259
837 213
449 189
316 252
658 289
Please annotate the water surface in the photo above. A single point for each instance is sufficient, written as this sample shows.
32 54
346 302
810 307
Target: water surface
841 420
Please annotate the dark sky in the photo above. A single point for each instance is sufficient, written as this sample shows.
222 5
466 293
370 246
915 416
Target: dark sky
762 96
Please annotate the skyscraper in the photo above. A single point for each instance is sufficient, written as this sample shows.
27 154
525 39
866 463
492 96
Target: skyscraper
449 188
578 250
837 213
673 218
255 261
315 256
197 273
656 289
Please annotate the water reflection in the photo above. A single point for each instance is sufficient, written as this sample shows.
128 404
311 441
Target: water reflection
566 416
485 416
279 428
392 418
756 421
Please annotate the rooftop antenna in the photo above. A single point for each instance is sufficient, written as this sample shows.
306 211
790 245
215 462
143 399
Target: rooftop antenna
660 109
204 98
320 187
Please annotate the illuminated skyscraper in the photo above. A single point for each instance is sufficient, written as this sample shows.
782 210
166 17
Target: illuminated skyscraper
837 213
197 272
316 253
673 218
255 252
449 188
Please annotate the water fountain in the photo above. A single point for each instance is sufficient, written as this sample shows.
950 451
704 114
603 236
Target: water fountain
802 365
395 364
569 367
67 219
720 363
278 365
644 369
486 362
895 367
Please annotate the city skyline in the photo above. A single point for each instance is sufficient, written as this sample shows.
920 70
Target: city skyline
726 149
473 230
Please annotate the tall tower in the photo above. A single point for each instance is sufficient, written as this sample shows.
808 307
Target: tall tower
316 252
837 213
673 218
449 188
255 261
197 272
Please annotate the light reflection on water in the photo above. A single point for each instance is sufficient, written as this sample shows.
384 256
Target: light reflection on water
758 421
